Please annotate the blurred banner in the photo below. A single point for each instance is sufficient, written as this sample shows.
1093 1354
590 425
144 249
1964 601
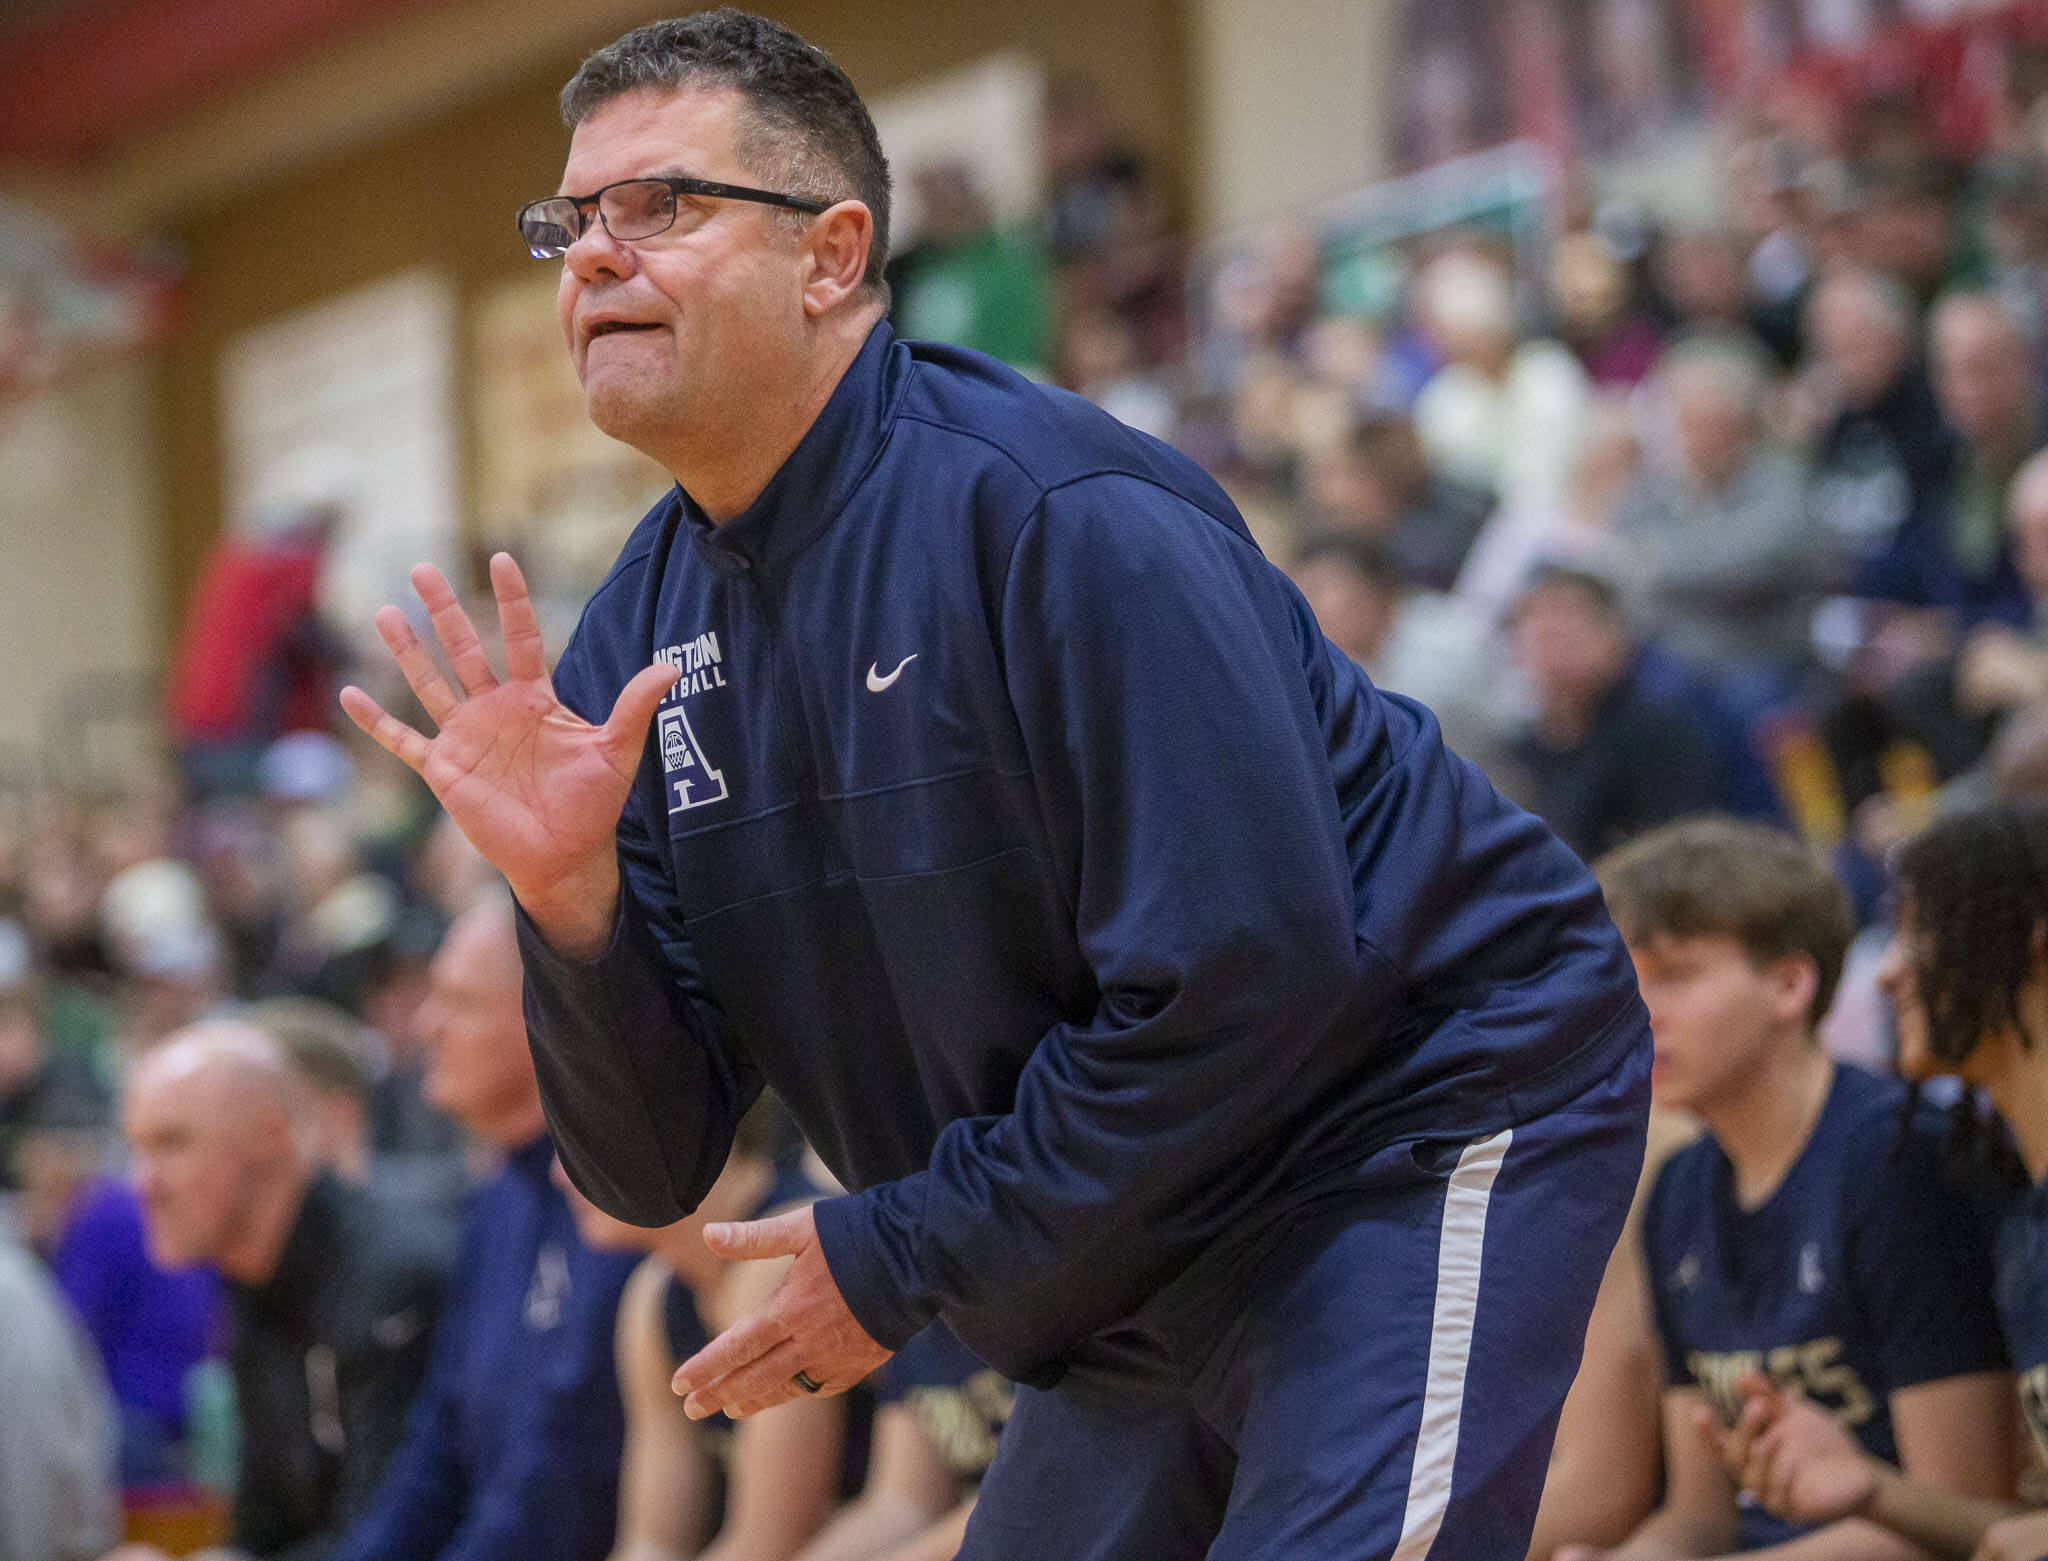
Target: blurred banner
344 414
549 485
66 304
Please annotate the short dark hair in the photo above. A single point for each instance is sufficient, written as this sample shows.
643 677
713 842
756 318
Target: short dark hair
807 128
1724 878
1595 589
1977 886
1368 557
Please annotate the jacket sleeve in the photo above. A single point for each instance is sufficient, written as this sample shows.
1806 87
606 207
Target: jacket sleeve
641 1093
1160 672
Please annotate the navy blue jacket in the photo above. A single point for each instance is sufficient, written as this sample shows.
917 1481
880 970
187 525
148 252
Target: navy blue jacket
1013 820
512 1446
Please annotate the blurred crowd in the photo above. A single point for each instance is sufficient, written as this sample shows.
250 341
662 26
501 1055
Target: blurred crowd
1745 517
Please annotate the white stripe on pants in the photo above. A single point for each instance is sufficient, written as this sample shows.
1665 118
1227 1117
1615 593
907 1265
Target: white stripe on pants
1450 1342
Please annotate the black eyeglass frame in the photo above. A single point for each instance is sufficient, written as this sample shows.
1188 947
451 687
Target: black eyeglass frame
677 187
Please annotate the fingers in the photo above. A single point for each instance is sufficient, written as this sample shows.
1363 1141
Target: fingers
391 734
1758 1389
625 729
740 1345
523 655
416 664
767 1382
453 628
783 1236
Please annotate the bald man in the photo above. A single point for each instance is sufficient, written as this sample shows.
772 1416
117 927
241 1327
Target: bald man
334 1290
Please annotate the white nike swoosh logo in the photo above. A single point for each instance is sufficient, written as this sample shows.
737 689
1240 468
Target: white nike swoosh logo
877 683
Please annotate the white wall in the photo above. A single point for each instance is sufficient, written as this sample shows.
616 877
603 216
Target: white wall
1293 97
77 542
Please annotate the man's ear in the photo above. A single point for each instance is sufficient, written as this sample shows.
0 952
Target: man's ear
836 243
1795 978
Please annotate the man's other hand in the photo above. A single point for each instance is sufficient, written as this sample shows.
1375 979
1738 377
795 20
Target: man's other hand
536 788
805 1327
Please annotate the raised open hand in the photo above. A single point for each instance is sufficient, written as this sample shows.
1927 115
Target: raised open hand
536 788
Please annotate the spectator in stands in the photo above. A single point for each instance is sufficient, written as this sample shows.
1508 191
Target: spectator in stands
152 1324
57 1435
757 1490
1952 707
33 1078
1379 482
334 1291
1984 377
1883 453
1517 538
968 281
1733 571
939 1414
1968 981
1907 201
1502 414
1604 761
253 658
511 1452
1700 278
1805 1231
1591 290
1432 648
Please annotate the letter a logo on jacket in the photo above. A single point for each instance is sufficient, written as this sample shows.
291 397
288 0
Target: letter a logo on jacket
692 781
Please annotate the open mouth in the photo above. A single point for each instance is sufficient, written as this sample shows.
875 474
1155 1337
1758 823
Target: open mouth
614 327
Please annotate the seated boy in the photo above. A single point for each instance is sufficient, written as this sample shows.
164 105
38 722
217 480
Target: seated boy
1809 1234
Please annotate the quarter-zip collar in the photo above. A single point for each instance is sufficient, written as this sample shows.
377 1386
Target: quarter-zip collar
810 488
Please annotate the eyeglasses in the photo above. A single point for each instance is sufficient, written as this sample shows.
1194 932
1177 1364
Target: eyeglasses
631 209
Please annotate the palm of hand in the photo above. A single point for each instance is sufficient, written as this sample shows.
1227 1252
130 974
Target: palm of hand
527 779
537 789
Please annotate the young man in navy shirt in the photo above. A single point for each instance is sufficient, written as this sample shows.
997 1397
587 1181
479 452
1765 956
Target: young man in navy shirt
1170 999
1968 984
1809 1237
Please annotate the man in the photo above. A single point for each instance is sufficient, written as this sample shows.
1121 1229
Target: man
1377 482
1604 759
1884 453
1805 1235
334 1291
1432 648
1170 997
511 1451
1734 563
1984 377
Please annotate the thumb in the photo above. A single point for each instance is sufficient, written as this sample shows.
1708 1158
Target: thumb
626 727
783 1236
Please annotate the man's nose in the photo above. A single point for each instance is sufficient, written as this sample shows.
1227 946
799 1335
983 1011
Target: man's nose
597 254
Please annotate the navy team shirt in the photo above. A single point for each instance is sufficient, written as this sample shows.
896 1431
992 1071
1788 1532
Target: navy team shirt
2023 1303
960 1404
1868 1270
512 1445
1013 819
